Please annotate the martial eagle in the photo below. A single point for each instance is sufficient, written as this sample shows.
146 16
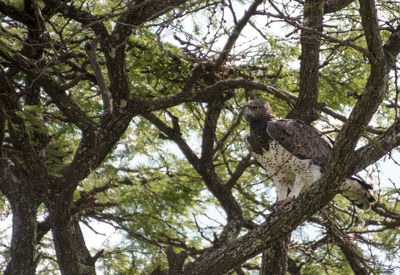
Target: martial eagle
294 155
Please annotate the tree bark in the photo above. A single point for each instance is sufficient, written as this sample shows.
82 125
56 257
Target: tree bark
275 258
305 108
24 203
72 255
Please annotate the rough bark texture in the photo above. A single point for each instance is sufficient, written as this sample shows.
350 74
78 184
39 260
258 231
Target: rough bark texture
23 257
275 258
72 254
305 108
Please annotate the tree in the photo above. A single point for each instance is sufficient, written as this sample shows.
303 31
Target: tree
128 113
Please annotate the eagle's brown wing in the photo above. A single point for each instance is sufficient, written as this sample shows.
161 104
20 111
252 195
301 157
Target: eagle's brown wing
301 139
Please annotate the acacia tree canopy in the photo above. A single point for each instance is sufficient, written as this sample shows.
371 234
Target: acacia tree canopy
127 115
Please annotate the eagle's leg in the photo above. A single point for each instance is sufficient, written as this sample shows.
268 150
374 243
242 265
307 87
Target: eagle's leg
281 192
297 187
294 192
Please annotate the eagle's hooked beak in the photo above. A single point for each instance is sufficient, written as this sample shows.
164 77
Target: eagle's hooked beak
246 111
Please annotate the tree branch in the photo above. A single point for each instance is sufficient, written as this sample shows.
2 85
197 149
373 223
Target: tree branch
331 6
83 17
208 136
105 92
309 62
370 24
16 14
53 89
353 256
373 151
213 182
176 137
235 33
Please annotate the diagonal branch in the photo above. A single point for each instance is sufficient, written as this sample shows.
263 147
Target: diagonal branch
369 20
57 93
353 256
373 151
214 184
15 13
176 137
105 92
235 33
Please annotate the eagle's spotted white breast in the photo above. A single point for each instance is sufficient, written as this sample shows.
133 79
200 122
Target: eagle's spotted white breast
287 171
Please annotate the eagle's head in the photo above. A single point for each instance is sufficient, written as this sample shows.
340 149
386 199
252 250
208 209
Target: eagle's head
257 109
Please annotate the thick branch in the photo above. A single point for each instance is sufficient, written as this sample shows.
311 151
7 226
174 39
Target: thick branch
275 257
16 14
208 136
83 17
370 25
309 62
335 5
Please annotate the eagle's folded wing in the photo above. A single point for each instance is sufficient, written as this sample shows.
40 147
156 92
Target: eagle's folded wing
301 139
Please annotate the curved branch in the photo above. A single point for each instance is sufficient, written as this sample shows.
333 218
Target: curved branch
83 17
335 5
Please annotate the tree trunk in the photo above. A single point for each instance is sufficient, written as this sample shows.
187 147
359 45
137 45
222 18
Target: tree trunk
72 255
23 241
275 258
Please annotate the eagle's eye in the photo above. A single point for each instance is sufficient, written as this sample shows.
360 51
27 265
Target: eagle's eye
255 108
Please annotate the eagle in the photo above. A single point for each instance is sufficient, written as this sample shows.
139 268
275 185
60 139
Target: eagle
294 155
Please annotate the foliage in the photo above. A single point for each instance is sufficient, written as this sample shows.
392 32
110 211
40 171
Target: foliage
167 167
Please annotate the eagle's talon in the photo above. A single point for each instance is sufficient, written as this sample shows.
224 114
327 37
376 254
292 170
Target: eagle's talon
280 204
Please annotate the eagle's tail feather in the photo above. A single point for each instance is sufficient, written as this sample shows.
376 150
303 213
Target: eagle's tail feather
357 191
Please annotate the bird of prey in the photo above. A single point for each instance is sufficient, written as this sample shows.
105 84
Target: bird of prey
294 155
